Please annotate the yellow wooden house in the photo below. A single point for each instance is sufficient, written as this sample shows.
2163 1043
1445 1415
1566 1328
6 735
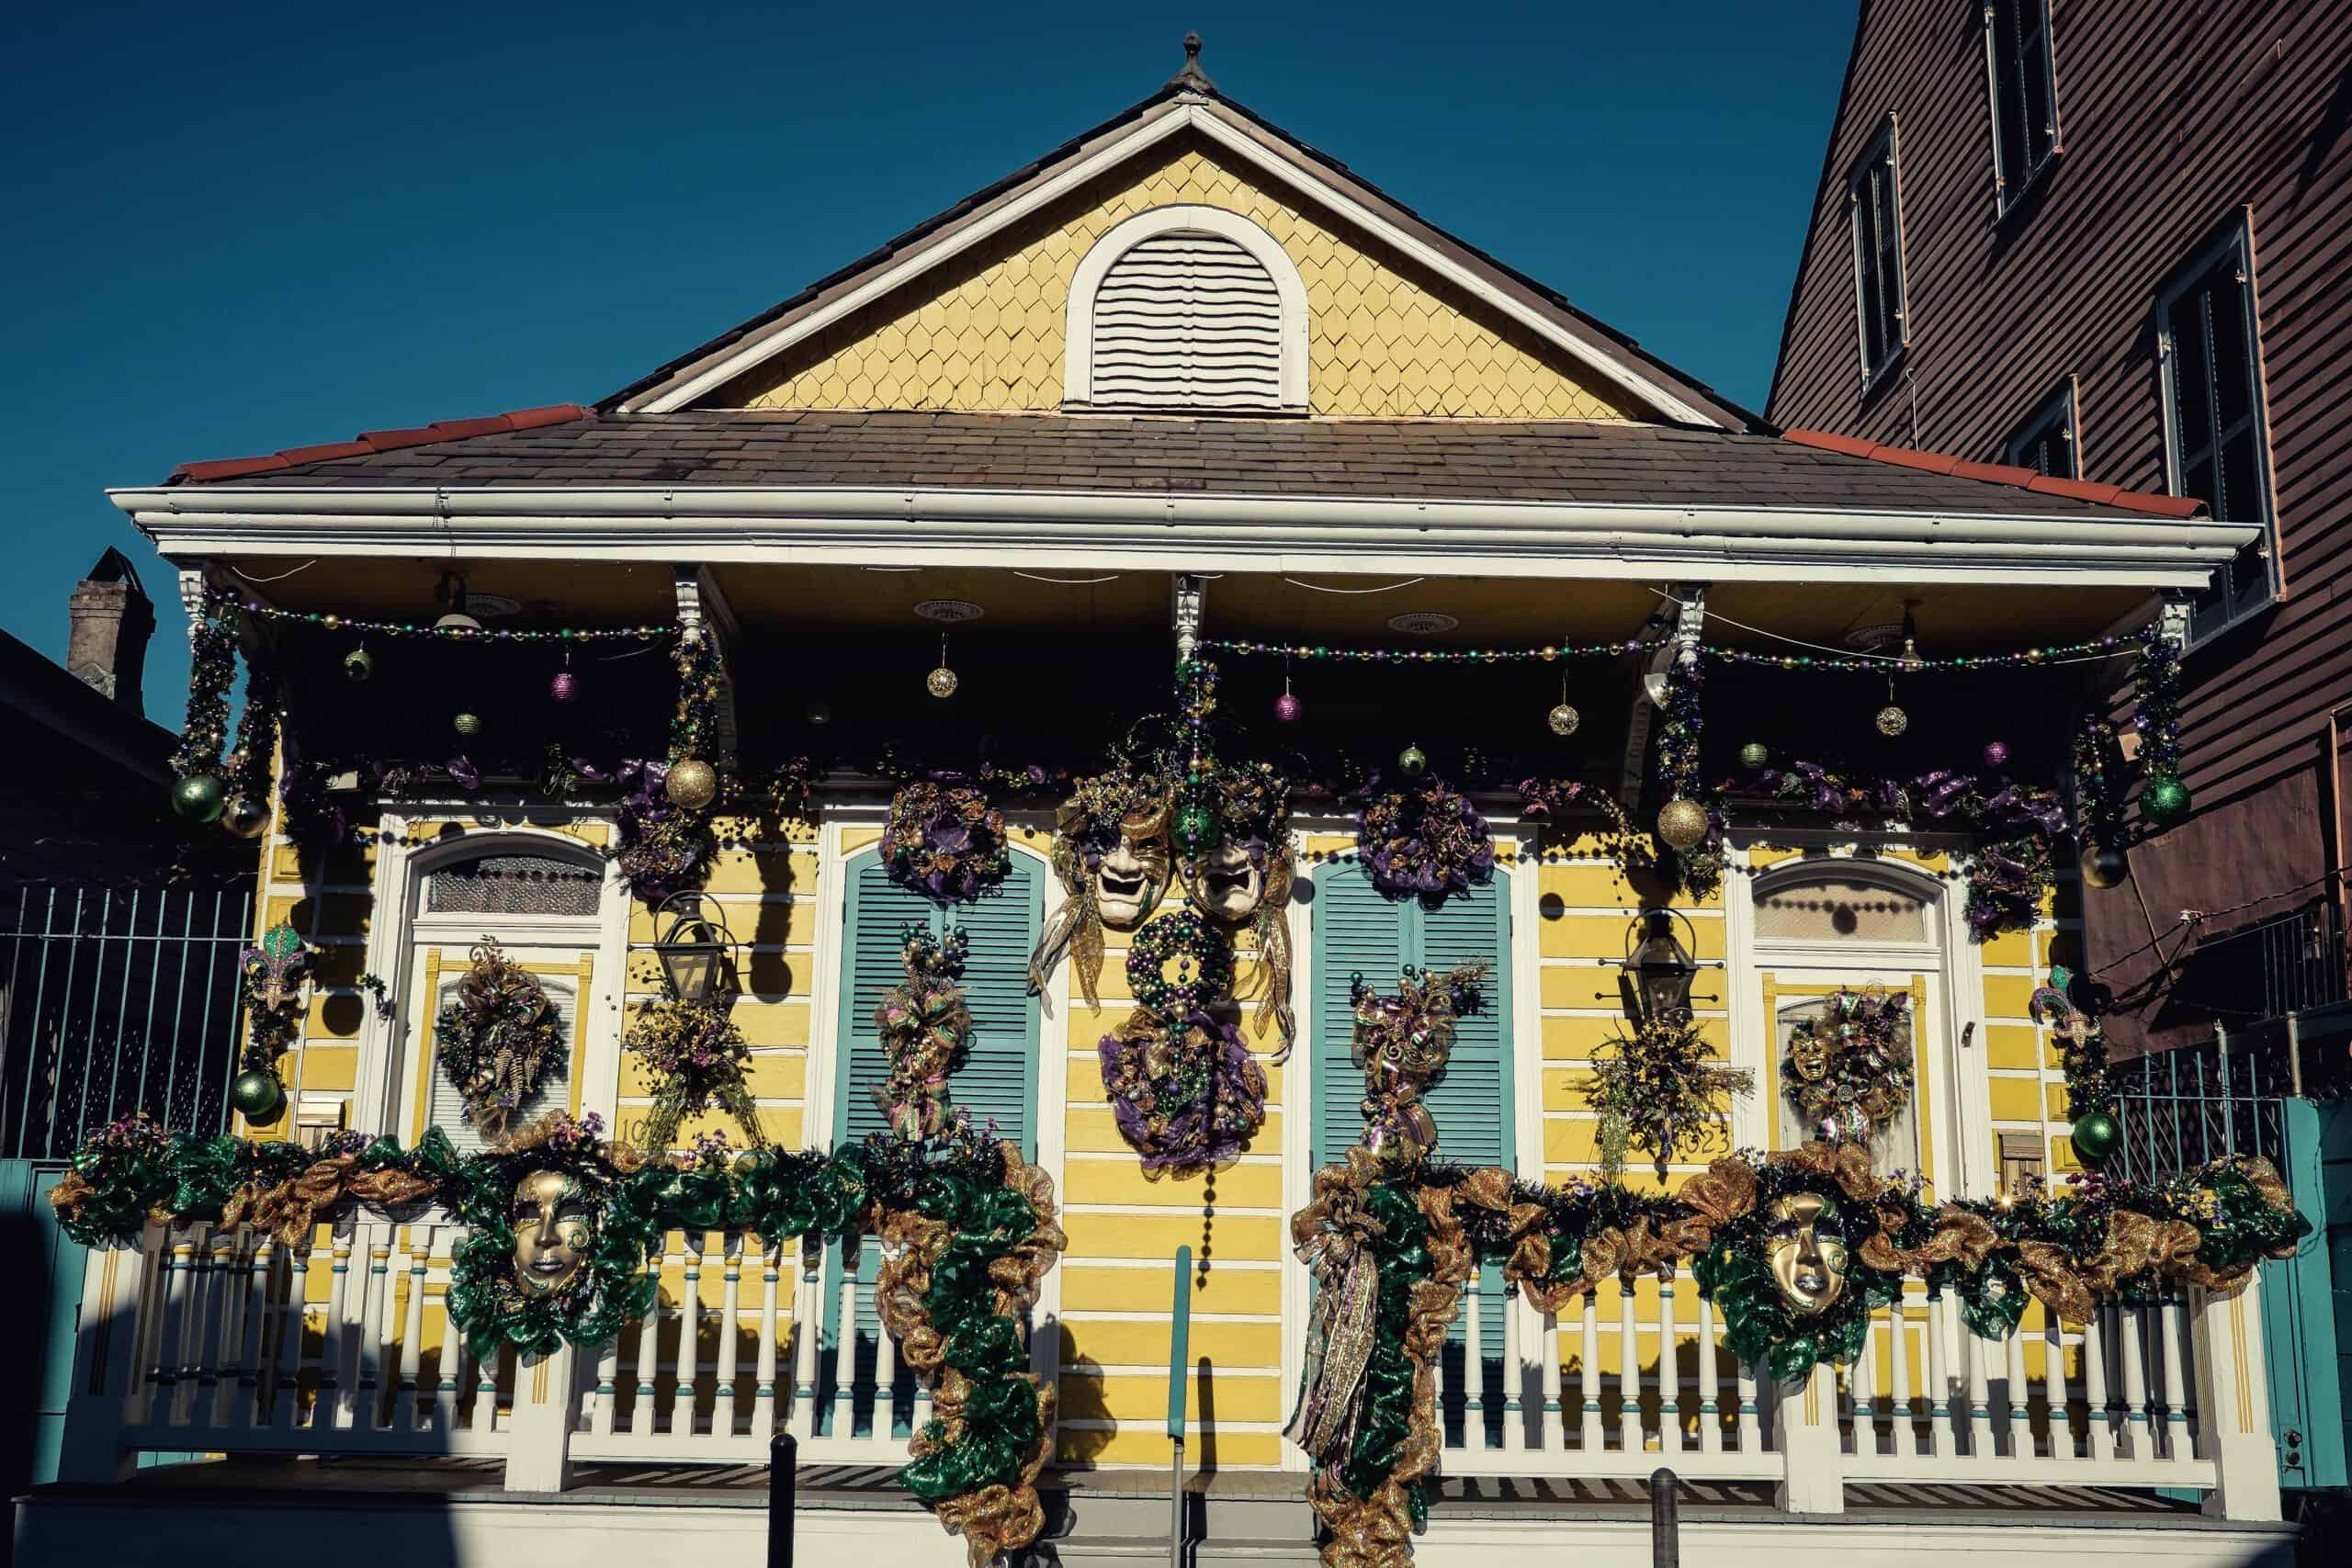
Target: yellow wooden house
1185 382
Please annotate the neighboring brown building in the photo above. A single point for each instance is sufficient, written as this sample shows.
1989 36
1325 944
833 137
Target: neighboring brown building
2113 243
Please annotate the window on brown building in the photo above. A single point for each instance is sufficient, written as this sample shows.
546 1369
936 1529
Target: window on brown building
2025 94
2216 447
2045 442
1875 202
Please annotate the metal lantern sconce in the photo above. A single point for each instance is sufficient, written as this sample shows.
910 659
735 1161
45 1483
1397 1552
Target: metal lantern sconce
1661 968
692 936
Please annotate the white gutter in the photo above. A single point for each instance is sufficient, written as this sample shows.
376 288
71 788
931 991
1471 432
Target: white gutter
1202 532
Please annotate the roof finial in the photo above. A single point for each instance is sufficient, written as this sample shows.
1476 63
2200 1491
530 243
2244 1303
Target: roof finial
1192 77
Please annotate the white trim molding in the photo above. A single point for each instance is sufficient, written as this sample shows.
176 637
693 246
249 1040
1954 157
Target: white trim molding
1183 217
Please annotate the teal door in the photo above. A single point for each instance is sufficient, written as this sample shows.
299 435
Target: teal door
44 1304
2304 1300
1358 932
996 1084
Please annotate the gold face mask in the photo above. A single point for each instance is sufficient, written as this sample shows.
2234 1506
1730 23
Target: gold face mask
1131 878
553 1230
1805 1243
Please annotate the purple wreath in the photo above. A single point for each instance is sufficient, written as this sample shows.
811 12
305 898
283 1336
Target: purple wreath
1425 843
1185 1096
944 841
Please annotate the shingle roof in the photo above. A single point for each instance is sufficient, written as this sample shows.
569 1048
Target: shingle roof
1562 461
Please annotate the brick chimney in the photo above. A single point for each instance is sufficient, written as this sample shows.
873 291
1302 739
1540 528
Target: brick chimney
113 618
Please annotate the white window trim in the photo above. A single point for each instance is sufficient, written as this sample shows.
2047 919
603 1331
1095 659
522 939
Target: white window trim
1077 350
1889 141
2007 192
2061 406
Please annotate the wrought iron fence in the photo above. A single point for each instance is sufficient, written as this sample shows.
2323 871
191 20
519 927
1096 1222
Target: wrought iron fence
2186 1108
114 1000
2290 963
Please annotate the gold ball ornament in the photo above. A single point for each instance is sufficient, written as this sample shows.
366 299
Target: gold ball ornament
1892 721
1563 719
244 818
939 683
1682 824
2104 867
692 784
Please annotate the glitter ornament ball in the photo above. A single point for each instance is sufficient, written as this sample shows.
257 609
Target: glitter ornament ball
1996 754
358 664
2096 1137
244 818
1563 719
939 683
564 686
257 1095
2166 800
1754 755
692 784
467 724
199 797
1682 824
2105 867
1412 761
1892 721
1195 830
1287 708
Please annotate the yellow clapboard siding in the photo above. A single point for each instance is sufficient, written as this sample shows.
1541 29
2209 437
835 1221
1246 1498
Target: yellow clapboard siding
1125 1342
1580 1039
1149 1445
329 914
762 870
1253 1237
764 925
1123 1181
1143 1401
1604 936
1231 1291
771 1074
781 1126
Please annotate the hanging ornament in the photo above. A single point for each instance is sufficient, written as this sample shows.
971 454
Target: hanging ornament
1682 824
1892 721
1754 755
468 725
1996 753
2104 867
199 797
1412 761
2166 800
1563 719
1194 829
358 664
692 784
244 818
941 682
1287 707
257 1095
2096 1137
565 685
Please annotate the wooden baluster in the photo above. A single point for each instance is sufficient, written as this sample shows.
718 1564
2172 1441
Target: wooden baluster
2131 1333
377 1334
642 1415
1474 1363
689 1390
1514 1375
420 1260
339 1357
1555 1438
722 1404
1669 1367
293 1341
1906 1438
808 1316
1751 1420
448 1362
1862 1385
1941 1419
1711 1409
2176 1389
845 1345
1972 1352
232 1271
2055 1391
485 1419
1628 1373
763 1402
1588 1375
885 1419
2017 1397
172 1384
2102 1430
260 1310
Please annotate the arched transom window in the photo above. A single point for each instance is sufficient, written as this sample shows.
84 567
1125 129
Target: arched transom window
1187 308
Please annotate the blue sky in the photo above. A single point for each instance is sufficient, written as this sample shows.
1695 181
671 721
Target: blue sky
235 227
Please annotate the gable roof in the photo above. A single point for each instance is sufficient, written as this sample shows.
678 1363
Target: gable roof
1188 102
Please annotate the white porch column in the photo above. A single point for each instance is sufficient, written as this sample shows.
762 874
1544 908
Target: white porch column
546 1409
1813 1469
2234 1404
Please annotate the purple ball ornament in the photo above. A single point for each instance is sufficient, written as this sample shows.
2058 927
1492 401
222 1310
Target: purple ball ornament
564 687
1287 708
1996 753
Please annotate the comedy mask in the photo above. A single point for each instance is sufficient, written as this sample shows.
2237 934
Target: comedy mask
554 1228
1250 863
1132 871
1805 1243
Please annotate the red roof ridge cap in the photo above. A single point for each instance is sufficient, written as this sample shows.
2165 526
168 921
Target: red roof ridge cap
2182 506
370 441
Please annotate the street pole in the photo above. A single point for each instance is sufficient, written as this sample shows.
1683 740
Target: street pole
1180 1320
784 1456
1666 1537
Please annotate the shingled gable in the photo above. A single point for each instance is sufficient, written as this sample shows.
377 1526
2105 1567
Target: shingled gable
1190 105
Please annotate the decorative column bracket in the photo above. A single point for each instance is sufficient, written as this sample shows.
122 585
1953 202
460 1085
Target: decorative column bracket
1687 614
704 612
2173 622
1189 591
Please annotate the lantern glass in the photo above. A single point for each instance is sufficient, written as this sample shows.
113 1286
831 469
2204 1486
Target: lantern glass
1663 972
692 945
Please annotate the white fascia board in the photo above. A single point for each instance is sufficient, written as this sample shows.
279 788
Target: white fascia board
1131 531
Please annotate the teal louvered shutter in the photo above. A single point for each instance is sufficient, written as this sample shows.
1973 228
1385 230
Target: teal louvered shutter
997 1079
1472 1103
1356 932
877 914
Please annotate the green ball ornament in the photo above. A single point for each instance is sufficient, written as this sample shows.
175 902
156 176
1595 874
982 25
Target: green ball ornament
358 664
2096 1137
1412 761
199 798
1754 755
468 725
257 1095
244 818
2103 867
1195 830
2166 800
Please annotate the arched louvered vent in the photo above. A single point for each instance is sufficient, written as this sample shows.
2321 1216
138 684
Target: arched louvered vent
1187 320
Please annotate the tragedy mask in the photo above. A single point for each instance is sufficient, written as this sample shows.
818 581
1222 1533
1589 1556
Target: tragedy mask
554 1228
1133 872
1227 882
1804 1244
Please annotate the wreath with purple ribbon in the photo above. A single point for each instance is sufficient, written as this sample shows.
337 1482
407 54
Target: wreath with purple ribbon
1185 1094
1426 842
944 841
